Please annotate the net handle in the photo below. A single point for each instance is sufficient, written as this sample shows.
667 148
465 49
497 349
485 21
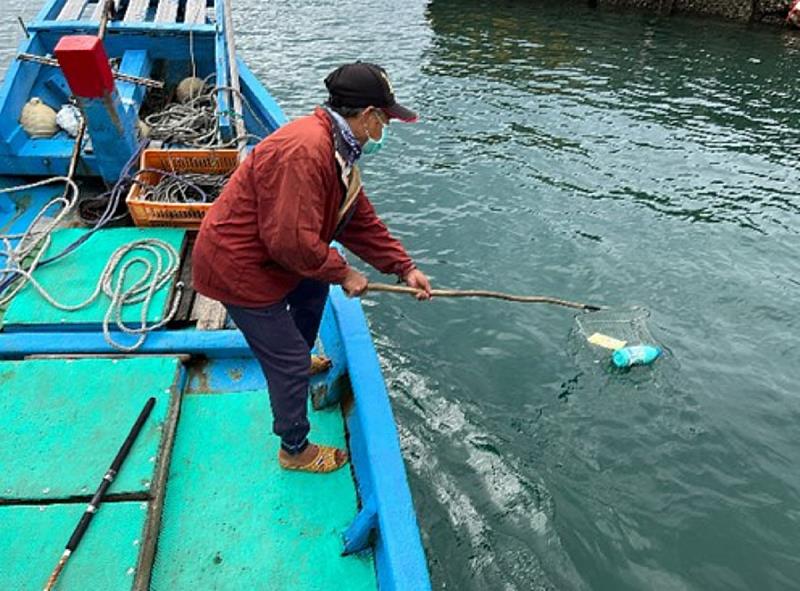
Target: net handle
477 293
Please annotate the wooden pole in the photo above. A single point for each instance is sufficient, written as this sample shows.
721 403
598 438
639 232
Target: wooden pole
474 293
236 90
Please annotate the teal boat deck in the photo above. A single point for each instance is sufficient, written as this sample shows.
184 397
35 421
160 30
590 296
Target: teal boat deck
72 280
211 510
32 538
233 519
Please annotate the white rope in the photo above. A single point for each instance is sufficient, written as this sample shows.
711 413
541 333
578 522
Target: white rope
33 240
154 276
23 259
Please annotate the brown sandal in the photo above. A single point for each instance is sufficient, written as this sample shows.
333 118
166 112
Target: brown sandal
319 363
328 459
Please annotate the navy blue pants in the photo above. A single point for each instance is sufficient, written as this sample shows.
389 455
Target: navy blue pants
281 337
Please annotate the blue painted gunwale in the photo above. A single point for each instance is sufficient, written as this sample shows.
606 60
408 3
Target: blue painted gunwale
376 456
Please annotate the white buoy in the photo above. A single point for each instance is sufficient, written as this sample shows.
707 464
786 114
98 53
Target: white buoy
38 120
143 129
189 88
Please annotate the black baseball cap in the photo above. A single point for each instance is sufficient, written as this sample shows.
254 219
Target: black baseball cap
362 85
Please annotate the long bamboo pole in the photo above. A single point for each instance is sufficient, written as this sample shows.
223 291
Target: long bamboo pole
97 499
477 293
236 89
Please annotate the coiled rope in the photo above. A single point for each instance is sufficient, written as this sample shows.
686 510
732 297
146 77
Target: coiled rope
34 241
24 254
116 273
195 123
186 187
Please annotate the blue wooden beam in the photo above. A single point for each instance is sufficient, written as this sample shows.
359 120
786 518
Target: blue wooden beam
329 391
116 27
361 532
135 62
40 159
113 133
84 61
173 46
218 343
49 11
269 116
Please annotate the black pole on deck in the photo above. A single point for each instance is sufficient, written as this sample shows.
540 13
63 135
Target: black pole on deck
94 504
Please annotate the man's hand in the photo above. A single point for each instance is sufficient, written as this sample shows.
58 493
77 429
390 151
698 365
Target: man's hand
354 283
418 280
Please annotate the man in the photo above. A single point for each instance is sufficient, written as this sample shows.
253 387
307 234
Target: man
264 247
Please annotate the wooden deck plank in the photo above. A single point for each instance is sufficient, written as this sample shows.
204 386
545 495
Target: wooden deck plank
72 10
137 11
167 11
195 12
98 10
186 304
210 314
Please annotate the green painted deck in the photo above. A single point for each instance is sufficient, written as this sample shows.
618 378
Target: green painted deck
73 278
234 520
62 422
33 538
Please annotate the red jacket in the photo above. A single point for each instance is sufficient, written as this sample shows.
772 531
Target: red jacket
273 223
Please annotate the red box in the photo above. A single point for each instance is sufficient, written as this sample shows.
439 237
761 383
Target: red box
84 61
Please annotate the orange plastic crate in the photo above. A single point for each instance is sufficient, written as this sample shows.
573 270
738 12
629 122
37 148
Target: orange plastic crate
180 215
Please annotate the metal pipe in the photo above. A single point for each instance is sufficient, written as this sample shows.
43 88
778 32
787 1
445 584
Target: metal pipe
49 61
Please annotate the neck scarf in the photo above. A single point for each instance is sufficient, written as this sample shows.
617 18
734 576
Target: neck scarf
344 142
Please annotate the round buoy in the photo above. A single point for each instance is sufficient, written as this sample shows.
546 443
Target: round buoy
143 129
190 88
37 119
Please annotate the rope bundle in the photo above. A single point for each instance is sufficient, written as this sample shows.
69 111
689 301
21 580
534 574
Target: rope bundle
195 122
186 187
111 282
23 254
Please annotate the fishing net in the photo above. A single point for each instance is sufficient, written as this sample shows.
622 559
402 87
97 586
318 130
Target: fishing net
597 334
623 324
